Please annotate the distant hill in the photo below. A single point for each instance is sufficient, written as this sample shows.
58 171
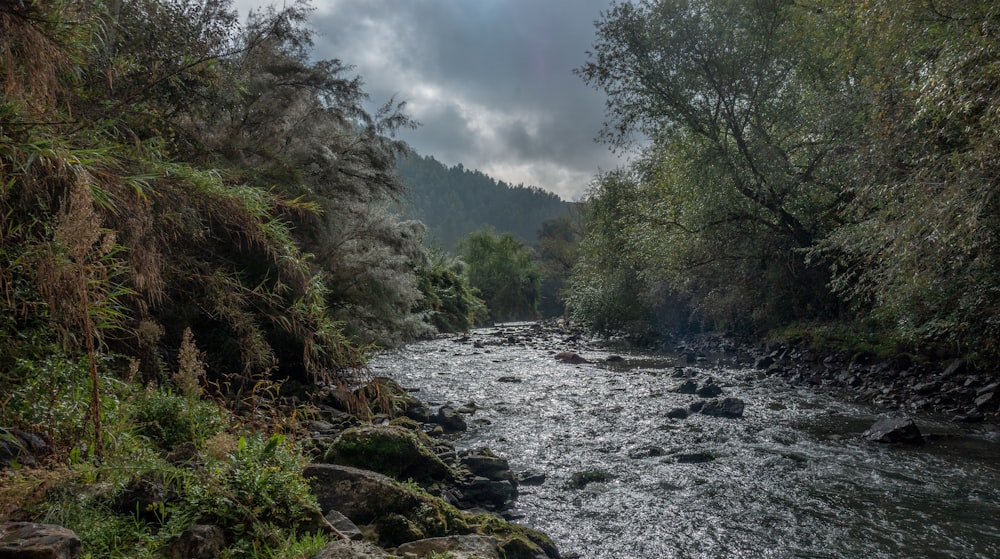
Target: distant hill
453 202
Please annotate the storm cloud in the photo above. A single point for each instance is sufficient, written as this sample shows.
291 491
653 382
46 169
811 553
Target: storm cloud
490 81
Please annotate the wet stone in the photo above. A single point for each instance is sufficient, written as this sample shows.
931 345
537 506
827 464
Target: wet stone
709 390
693 458
579 480
687 387
894 430
731 408
678 413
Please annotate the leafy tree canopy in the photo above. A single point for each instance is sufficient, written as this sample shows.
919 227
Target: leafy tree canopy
807 160
502 269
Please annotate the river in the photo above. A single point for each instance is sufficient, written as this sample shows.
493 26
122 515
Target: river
791 478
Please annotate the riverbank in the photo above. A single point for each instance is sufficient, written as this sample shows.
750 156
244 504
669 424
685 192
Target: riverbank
368 472
953 387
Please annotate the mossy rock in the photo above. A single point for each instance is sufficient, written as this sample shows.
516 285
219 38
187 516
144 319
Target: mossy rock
396 529
516 541
391 450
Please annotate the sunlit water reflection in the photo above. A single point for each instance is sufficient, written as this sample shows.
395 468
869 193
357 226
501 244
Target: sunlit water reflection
792 478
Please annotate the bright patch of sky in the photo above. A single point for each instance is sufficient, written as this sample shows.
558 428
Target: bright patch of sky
490 81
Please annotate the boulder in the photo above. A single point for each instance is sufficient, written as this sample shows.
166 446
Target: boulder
687 387
693 457
196 542
763 363
894 430
488 493
570 357
726 407
956 367
482 462
345 549
391 450
449 419
531 478
458 547
988 401
27 540
678 413
395 529
649 451
579 480
709 390
361 495
368 497
21 447
417 411
146 496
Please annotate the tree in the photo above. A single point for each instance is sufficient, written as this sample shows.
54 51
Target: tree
738 175
449 301
918 249
502 270
238 188
557 252
606 290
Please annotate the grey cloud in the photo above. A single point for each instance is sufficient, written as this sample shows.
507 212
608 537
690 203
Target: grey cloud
491 81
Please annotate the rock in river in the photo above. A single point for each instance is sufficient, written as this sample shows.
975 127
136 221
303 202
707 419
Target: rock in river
687 387
726 407
894 430
570 357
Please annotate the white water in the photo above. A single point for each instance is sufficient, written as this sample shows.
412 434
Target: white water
792 478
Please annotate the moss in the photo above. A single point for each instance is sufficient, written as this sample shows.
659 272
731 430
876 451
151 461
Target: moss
406 423
516 541
391 450
438 518
396 529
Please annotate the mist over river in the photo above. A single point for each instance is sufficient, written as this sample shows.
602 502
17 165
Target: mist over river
791 478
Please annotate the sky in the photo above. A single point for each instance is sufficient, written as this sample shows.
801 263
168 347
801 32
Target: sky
490 81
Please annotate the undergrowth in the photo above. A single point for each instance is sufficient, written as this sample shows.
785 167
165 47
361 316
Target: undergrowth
172 459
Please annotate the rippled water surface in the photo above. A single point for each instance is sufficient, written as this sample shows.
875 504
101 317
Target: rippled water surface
792 478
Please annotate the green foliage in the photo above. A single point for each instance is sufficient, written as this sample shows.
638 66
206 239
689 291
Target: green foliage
50 393
224 181
611 288
257 493
448 299
918 249
503 271
806 161
557 252
737 177
169 419
253 491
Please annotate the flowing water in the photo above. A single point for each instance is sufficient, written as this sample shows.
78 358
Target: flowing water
791 478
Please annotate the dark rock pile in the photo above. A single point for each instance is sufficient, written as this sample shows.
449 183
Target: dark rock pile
955 387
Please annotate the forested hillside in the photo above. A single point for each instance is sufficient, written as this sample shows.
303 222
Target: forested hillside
453 202
808 161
